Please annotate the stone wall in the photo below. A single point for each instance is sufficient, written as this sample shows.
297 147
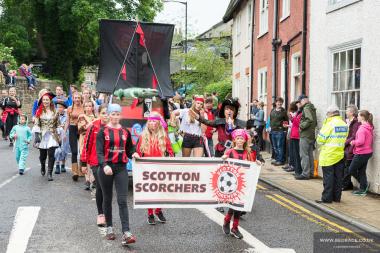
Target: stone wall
27 96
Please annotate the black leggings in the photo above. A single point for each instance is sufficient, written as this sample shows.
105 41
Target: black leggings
73 140
120 176
10 123
44 153
99 192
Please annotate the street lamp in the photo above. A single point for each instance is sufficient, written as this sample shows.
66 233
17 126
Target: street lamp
184 3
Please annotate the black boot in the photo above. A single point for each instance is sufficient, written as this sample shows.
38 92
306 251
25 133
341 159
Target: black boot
63 169
43 169
57 169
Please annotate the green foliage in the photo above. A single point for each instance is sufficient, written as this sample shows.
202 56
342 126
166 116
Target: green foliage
6 55
223 88
205 65
64 33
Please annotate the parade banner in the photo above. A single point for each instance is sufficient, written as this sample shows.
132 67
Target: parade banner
170 182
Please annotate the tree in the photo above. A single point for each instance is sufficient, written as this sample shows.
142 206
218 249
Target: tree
205 65
6 55
65 33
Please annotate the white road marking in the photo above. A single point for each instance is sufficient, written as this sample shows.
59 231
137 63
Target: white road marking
23 225
11 179
258 246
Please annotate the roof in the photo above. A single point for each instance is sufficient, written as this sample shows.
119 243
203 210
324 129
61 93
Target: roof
234 4
213 27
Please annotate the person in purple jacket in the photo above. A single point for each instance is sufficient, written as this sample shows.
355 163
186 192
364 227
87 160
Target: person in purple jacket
362 151
353 126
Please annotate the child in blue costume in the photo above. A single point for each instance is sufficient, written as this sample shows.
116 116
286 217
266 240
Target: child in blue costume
62 152
22 135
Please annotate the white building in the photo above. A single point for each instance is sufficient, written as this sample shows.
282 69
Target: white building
344 62
241 13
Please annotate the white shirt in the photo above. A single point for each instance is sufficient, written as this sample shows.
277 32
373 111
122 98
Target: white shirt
186 126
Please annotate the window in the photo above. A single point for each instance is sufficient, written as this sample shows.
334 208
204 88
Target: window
346 78
262 85
285 9
238 34
295 88
263 17
249 22
334 5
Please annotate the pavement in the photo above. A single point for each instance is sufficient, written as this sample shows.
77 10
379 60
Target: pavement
362 212
59 216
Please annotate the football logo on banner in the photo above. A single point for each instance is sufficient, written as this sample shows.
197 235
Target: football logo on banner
227 183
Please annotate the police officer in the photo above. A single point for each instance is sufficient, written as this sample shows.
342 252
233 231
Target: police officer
331 139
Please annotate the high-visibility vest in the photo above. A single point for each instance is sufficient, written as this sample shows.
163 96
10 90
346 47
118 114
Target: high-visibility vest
331 139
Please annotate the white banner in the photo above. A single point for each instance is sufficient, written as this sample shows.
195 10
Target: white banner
194 182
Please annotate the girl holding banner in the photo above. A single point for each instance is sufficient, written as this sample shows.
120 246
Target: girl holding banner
191 127
241 150
114 147
154 142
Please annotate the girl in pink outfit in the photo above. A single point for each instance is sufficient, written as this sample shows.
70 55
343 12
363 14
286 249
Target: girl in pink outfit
362 151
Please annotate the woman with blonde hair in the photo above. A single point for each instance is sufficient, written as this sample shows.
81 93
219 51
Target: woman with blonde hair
191 128
154 142
73 113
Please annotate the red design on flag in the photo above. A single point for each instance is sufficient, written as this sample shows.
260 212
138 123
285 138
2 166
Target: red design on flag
124 73
134 103
140 31
154 81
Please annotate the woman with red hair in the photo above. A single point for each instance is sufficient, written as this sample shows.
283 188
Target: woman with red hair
46 135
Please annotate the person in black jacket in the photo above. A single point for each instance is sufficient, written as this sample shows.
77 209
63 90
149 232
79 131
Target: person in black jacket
10 106
114 147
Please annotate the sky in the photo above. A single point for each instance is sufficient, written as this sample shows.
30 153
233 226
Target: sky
202 14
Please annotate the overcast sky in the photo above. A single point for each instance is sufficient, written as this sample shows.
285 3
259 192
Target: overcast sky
202 14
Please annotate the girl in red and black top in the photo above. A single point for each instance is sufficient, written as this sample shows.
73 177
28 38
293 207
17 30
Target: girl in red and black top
154 142
90 158
10 106
241 150
114 147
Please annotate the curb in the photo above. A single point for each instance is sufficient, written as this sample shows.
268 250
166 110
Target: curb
361 225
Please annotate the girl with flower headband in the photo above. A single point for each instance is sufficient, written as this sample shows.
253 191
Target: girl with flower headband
191 128
84 121
154 142
241 149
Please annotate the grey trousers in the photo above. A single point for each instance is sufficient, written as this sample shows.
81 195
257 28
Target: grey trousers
307 157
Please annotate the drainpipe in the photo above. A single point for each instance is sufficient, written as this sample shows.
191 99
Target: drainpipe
252 50
304 36
286 49
275 43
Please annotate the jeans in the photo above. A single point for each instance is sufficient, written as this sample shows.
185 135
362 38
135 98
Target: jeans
259 131
358 169
295 159
120 177
278 139
332 182
307 157
31 80
210 144
99 192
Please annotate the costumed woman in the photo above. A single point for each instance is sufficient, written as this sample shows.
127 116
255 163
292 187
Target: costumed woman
84 121
45 130
191 128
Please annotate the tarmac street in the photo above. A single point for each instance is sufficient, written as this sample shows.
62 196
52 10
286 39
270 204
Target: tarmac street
60 216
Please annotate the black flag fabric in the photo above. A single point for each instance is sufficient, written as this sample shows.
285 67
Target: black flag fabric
149 38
